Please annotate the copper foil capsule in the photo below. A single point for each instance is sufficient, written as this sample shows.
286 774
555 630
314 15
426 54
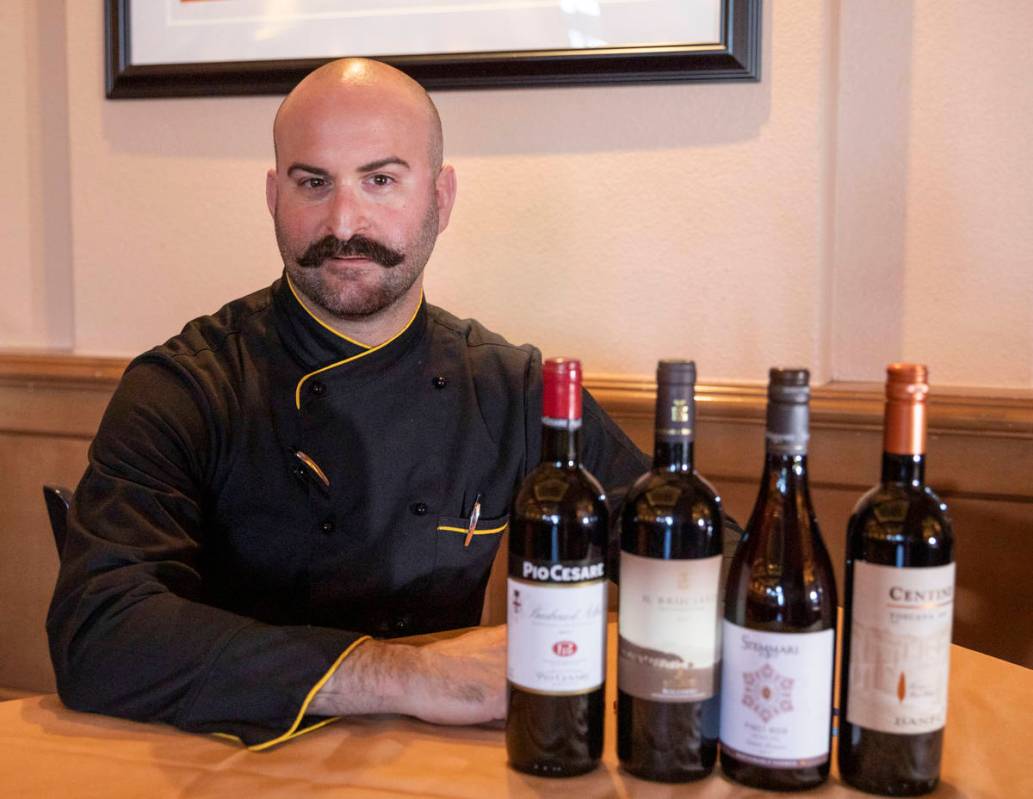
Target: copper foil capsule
907 386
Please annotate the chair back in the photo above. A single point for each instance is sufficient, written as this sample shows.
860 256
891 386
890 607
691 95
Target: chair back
58 499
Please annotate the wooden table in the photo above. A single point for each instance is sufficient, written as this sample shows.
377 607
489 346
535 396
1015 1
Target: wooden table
48 751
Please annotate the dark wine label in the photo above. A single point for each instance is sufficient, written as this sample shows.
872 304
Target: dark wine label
550 571
675 413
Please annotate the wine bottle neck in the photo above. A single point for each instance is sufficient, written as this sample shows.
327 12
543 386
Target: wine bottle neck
785 473
562 445
907 469
673 456
675 421
904 425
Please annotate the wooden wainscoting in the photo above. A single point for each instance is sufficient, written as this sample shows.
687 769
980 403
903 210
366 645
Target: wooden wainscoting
980 459
50 406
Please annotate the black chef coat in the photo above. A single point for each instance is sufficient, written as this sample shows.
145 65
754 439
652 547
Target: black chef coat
263 492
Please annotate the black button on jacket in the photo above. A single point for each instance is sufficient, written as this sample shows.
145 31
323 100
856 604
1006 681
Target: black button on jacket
262 492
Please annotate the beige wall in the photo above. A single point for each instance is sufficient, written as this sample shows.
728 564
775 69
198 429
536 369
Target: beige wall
35 226
867 201
933 255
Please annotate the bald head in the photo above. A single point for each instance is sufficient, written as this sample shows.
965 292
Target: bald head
359 83
359 193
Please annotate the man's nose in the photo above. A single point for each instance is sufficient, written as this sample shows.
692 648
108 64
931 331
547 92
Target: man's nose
346 214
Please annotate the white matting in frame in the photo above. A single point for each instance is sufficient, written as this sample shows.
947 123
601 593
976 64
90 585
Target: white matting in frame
198 31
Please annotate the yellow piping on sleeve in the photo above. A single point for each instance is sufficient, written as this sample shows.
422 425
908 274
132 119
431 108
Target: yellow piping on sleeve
444 528
294 732
370 351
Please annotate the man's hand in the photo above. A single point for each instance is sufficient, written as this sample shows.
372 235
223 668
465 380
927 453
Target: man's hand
459 680
462 679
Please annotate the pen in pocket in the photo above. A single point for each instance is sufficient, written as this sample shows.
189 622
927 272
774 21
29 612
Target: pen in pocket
475 514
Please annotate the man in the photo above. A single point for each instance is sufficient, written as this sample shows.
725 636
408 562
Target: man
296 473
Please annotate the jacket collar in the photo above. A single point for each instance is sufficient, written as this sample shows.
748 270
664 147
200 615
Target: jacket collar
319 349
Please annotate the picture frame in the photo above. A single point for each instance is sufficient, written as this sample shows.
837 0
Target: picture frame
735 56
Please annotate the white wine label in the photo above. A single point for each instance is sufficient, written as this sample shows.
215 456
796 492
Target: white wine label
776 696
556 636
900 636
669 628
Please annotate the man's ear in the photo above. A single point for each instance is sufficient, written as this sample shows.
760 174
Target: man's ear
270 191
445 192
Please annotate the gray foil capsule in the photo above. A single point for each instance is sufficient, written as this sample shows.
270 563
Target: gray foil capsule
788 419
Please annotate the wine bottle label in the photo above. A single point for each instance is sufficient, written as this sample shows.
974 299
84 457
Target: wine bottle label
669 627
557 629
900 635
776 696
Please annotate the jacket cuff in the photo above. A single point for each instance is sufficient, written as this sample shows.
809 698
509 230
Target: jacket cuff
296 728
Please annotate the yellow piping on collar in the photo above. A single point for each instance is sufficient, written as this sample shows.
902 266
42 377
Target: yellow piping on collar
370 351
319 321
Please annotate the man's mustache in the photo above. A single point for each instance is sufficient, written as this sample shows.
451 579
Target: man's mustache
358 245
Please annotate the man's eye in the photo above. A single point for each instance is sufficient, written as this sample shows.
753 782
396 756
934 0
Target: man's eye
313 183
381 180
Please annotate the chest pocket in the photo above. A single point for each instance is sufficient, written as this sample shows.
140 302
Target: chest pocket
462 561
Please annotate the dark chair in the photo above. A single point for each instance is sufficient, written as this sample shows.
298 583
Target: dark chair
58 499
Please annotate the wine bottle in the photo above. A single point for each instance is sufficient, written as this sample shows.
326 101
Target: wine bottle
669 646
780 617
556 603
898 611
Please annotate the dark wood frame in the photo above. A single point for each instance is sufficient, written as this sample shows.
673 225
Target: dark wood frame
736 59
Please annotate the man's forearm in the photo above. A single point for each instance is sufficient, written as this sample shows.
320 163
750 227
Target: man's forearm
372 679
455 681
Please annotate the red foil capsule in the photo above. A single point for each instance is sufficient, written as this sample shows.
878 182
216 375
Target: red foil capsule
561 383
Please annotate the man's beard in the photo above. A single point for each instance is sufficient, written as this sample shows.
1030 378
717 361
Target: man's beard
347 295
